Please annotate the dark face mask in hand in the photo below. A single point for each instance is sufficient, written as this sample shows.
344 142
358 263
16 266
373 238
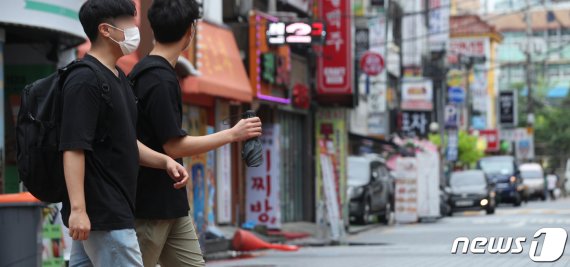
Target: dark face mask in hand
252 152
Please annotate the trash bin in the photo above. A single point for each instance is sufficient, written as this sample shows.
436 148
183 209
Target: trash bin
20 230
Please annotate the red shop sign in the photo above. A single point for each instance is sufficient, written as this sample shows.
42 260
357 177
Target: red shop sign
492 137
372 63
334 67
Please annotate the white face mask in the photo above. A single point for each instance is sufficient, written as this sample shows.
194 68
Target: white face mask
132 39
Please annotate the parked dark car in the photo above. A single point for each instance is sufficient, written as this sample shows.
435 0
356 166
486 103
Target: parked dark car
370 189
471 190
444 203
504 172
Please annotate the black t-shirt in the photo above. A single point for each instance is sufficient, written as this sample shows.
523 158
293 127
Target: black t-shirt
160 119
111 167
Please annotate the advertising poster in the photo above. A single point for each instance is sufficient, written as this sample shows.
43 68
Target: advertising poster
406 190
195 123
211 183
331 131
54 245
263 205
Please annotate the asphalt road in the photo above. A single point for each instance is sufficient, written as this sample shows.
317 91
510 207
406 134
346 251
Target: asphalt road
430 244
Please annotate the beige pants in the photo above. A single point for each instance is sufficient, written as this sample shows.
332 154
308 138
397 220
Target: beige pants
171 243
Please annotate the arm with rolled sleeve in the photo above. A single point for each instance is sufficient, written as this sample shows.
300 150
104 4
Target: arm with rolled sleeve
81 106
161 108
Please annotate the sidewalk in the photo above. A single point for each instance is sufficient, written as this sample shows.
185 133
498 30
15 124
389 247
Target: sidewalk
303 234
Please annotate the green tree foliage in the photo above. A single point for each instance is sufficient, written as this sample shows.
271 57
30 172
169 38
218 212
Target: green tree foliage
469 154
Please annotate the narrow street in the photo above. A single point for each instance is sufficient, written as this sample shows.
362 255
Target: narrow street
429 244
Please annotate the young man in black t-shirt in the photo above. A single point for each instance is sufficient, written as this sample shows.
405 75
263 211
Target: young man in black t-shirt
165 230
101 153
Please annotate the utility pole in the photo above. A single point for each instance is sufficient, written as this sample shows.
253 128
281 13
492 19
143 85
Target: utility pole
529 66
468 61
272 6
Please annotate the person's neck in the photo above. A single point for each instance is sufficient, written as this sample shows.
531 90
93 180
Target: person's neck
170 52
106 58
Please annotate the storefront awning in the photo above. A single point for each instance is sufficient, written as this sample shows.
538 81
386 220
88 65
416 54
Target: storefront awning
559 91
221 67
59 18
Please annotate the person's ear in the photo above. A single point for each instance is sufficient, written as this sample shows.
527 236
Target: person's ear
104 30
189 32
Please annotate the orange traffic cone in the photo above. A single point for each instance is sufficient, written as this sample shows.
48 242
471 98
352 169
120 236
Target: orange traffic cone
246 241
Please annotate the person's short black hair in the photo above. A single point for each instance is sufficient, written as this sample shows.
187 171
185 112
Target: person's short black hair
95 12
170 19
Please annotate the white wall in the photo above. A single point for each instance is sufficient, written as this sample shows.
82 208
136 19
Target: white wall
213 10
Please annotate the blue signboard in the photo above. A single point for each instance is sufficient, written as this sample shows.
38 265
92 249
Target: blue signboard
452 146
456 95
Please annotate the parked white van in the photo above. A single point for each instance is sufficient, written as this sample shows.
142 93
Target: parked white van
533 178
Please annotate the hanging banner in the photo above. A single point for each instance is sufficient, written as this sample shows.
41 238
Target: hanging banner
223 168
406 190
414 34
479 87
452 152
332 142
377 96
263 205
330 190
334 67
439 11
377 27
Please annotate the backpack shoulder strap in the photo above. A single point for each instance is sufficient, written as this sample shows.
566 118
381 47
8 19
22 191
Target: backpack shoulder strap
142 68
103 85
101 80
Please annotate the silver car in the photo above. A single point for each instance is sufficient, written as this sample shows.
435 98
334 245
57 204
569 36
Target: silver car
533 179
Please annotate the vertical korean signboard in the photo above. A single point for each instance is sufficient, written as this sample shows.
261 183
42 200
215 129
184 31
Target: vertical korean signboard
334 70
508 108
332 146
263 183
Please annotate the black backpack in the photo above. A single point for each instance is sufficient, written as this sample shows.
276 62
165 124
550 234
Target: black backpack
141 68
40 163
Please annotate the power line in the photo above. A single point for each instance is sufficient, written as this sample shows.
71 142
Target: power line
465 24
